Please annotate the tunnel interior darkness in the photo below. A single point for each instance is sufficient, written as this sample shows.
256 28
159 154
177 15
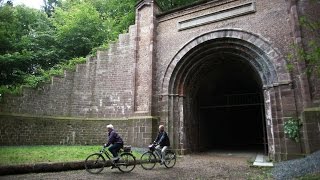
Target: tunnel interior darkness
230 106
220 83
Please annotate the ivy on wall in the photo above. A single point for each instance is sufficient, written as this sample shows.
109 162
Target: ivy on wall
292 128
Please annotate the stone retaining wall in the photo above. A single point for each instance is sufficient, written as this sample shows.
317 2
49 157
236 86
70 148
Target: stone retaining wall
311 129
36 130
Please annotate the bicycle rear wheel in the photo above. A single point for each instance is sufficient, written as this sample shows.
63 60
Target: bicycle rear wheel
126 163
170 159
94 163
148 160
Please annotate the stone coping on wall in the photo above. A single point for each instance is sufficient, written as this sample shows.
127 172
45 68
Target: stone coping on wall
78 118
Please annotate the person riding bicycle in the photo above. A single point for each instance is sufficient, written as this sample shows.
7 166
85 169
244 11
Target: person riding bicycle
162 141
115 141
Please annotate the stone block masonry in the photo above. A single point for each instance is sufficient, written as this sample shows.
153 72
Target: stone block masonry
311 129
36 130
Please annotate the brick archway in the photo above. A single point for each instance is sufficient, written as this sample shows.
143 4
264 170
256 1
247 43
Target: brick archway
193 59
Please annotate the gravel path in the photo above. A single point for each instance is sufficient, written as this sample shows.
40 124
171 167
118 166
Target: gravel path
297 167
196 166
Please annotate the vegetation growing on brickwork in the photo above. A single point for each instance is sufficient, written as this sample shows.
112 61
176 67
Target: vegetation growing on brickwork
311 53
36 44
292 128
171 4
41 76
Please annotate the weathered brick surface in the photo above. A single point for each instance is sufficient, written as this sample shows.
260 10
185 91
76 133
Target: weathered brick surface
310 11
311 131
33 130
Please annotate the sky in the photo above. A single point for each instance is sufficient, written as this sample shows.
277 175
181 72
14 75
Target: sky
30 3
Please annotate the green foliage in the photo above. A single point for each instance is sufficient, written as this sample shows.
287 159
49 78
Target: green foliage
313 176
42 76
292 129
79 29
26 43
258 173
171 4
117 17
9 90
71 64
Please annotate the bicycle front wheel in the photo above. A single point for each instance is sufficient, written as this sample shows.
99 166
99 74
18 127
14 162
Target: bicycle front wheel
127 162
94 163
170 159
148 160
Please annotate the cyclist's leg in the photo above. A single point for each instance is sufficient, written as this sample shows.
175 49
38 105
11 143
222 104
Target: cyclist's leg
163 153
158 150
114 149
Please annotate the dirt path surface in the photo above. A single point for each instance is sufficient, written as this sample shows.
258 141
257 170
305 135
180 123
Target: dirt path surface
196 166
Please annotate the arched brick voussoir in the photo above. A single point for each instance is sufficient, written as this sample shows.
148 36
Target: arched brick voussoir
274 61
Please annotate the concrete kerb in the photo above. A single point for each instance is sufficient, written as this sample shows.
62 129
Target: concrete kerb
44 167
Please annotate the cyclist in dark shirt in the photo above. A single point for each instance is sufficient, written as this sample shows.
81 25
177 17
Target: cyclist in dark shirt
115 141
162 142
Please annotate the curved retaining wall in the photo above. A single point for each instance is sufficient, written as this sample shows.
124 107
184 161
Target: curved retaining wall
45 130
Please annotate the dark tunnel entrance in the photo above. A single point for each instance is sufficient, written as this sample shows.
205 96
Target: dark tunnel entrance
230 108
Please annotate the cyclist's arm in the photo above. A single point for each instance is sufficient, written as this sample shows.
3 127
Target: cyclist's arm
157 138
164 134
110 139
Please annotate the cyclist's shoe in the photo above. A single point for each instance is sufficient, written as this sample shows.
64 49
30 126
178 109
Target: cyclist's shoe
116 159
161 162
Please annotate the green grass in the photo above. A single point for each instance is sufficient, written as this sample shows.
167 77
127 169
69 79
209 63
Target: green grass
315 176
14 155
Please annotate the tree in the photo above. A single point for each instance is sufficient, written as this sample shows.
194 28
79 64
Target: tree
79 29
83 25
22 34
50 5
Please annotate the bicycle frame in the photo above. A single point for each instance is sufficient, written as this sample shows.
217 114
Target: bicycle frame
158 154
153 156
97 161
105 152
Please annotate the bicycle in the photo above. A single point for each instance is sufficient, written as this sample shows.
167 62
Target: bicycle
153 156
95 162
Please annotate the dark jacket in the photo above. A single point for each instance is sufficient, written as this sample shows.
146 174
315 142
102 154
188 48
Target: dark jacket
114 138
163 139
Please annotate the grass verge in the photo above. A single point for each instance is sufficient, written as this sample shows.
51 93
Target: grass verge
14 155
